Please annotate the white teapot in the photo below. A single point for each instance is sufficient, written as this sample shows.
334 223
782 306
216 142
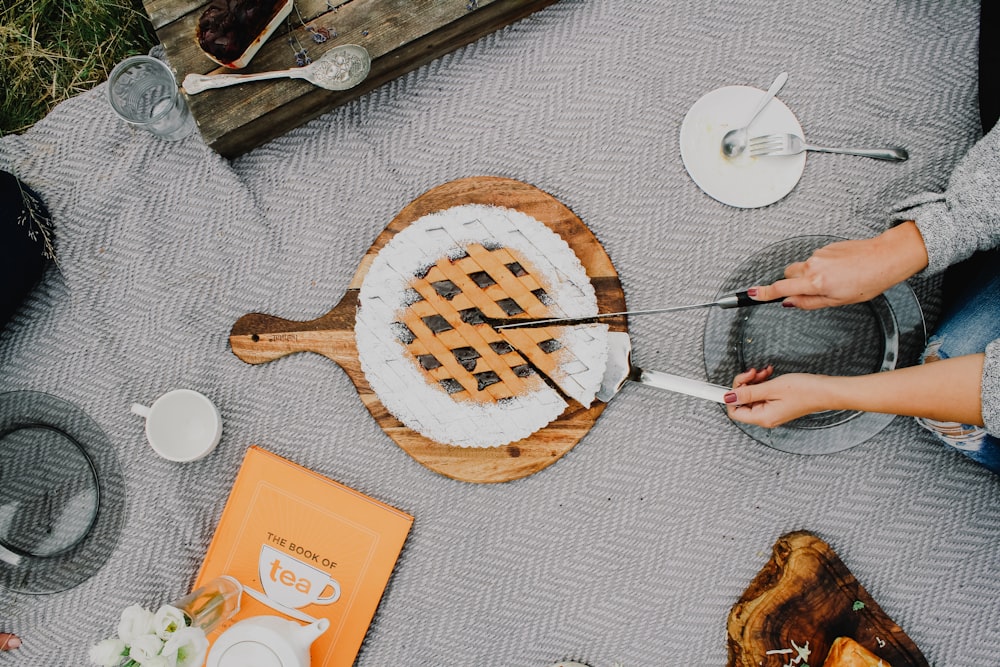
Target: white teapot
266 641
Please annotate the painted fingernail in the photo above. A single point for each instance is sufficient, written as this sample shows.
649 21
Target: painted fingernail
730 397
786 304
752 291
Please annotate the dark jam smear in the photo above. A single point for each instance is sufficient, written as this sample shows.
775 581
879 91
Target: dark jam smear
447 289
403 333
485 379
541 295
451 385
466 356
516 269
501 347
437 323
482 279
428 361
472 316
510 306
549 346
523 371
411 296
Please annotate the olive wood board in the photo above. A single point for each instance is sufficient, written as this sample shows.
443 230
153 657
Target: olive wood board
257 338
803 594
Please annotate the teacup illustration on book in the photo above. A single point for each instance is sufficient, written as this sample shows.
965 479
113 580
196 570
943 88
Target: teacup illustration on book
292 583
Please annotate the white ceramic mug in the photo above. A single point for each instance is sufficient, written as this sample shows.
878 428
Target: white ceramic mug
293 583
182 425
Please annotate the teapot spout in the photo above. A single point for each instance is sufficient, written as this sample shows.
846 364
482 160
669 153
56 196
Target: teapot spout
307 634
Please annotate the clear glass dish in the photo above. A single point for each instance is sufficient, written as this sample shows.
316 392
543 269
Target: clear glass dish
62 494
879 335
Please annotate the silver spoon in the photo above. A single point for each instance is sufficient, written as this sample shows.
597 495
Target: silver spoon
340 68
735 141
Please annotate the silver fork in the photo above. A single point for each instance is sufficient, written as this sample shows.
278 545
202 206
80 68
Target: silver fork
792 144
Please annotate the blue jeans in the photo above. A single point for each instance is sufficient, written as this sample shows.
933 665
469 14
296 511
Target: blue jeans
969 324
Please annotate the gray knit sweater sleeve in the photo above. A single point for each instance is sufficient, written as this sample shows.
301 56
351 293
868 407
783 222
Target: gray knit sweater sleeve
958 222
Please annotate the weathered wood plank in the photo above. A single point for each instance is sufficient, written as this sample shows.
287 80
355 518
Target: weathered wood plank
400 35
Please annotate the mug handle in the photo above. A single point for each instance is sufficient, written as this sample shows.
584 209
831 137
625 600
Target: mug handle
141 410
333 597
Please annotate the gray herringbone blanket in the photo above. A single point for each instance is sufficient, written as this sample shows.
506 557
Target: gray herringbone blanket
633 547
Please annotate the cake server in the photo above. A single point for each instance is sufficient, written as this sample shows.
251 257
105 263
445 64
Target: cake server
620 370
737 300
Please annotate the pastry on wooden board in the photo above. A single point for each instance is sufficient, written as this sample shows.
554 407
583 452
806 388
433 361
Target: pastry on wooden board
425 337
845 652
801 602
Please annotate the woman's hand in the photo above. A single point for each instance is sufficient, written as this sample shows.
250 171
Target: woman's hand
9 641
758 399
850 271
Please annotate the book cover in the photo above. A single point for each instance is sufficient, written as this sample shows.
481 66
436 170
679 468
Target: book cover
306 547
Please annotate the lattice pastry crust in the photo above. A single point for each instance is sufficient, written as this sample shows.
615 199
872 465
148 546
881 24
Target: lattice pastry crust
431 357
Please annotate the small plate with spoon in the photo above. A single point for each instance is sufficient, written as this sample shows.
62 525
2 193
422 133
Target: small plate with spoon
741 181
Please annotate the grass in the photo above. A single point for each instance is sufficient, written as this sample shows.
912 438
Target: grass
51 50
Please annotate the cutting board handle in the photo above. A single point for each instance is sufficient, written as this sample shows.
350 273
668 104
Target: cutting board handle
257 338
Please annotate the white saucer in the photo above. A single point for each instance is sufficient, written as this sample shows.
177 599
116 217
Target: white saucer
743 181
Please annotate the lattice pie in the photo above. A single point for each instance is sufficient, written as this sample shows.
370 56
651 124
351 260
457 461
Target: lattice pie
426 345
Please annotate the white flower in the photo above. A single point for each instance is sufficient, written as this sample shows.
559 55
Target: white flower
135 622
145 647
188 645
167 621
107 653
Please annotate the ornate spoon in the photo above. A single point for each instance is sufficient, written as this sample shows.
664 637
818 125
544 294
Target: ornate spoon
340 68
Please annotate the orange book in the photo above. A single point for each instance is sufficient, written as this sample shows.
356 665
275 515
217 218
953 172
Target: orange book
306 547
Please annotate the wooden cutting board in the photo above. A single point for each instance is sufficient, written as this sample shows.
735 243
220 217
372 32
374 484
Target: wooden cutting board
257 338
805 594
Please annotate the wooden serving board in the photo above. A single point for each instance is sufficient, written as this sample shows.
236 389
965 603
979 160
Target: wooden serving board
805 593
257 338
400 35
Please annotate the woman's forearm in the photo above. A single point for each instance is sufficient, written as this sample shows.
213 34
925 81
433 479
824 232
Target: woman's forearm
946 390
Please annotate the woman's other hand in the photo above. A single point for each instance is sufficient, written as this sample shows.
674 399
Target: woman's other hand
850 271
9 641
761 398
758 399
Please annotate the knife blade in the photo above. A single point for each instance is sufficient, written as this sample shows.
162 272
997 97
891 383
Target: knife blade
737 300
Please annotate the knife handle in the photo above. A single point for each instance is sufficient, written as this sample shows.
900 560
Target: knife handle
741 300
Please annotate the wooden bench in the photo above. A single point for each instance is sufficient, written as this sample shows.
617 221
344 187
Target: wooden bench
400 35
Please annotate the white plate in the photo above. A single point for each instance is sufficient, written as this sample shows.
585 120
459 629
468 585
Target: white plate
743 181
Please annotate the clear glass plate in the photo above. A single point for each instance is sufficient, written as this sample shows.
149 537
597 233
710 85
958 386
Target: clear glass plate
62 494
879 335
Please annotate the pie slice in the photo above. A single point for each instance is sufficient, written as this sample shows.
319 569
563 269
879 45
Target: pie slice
573 357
